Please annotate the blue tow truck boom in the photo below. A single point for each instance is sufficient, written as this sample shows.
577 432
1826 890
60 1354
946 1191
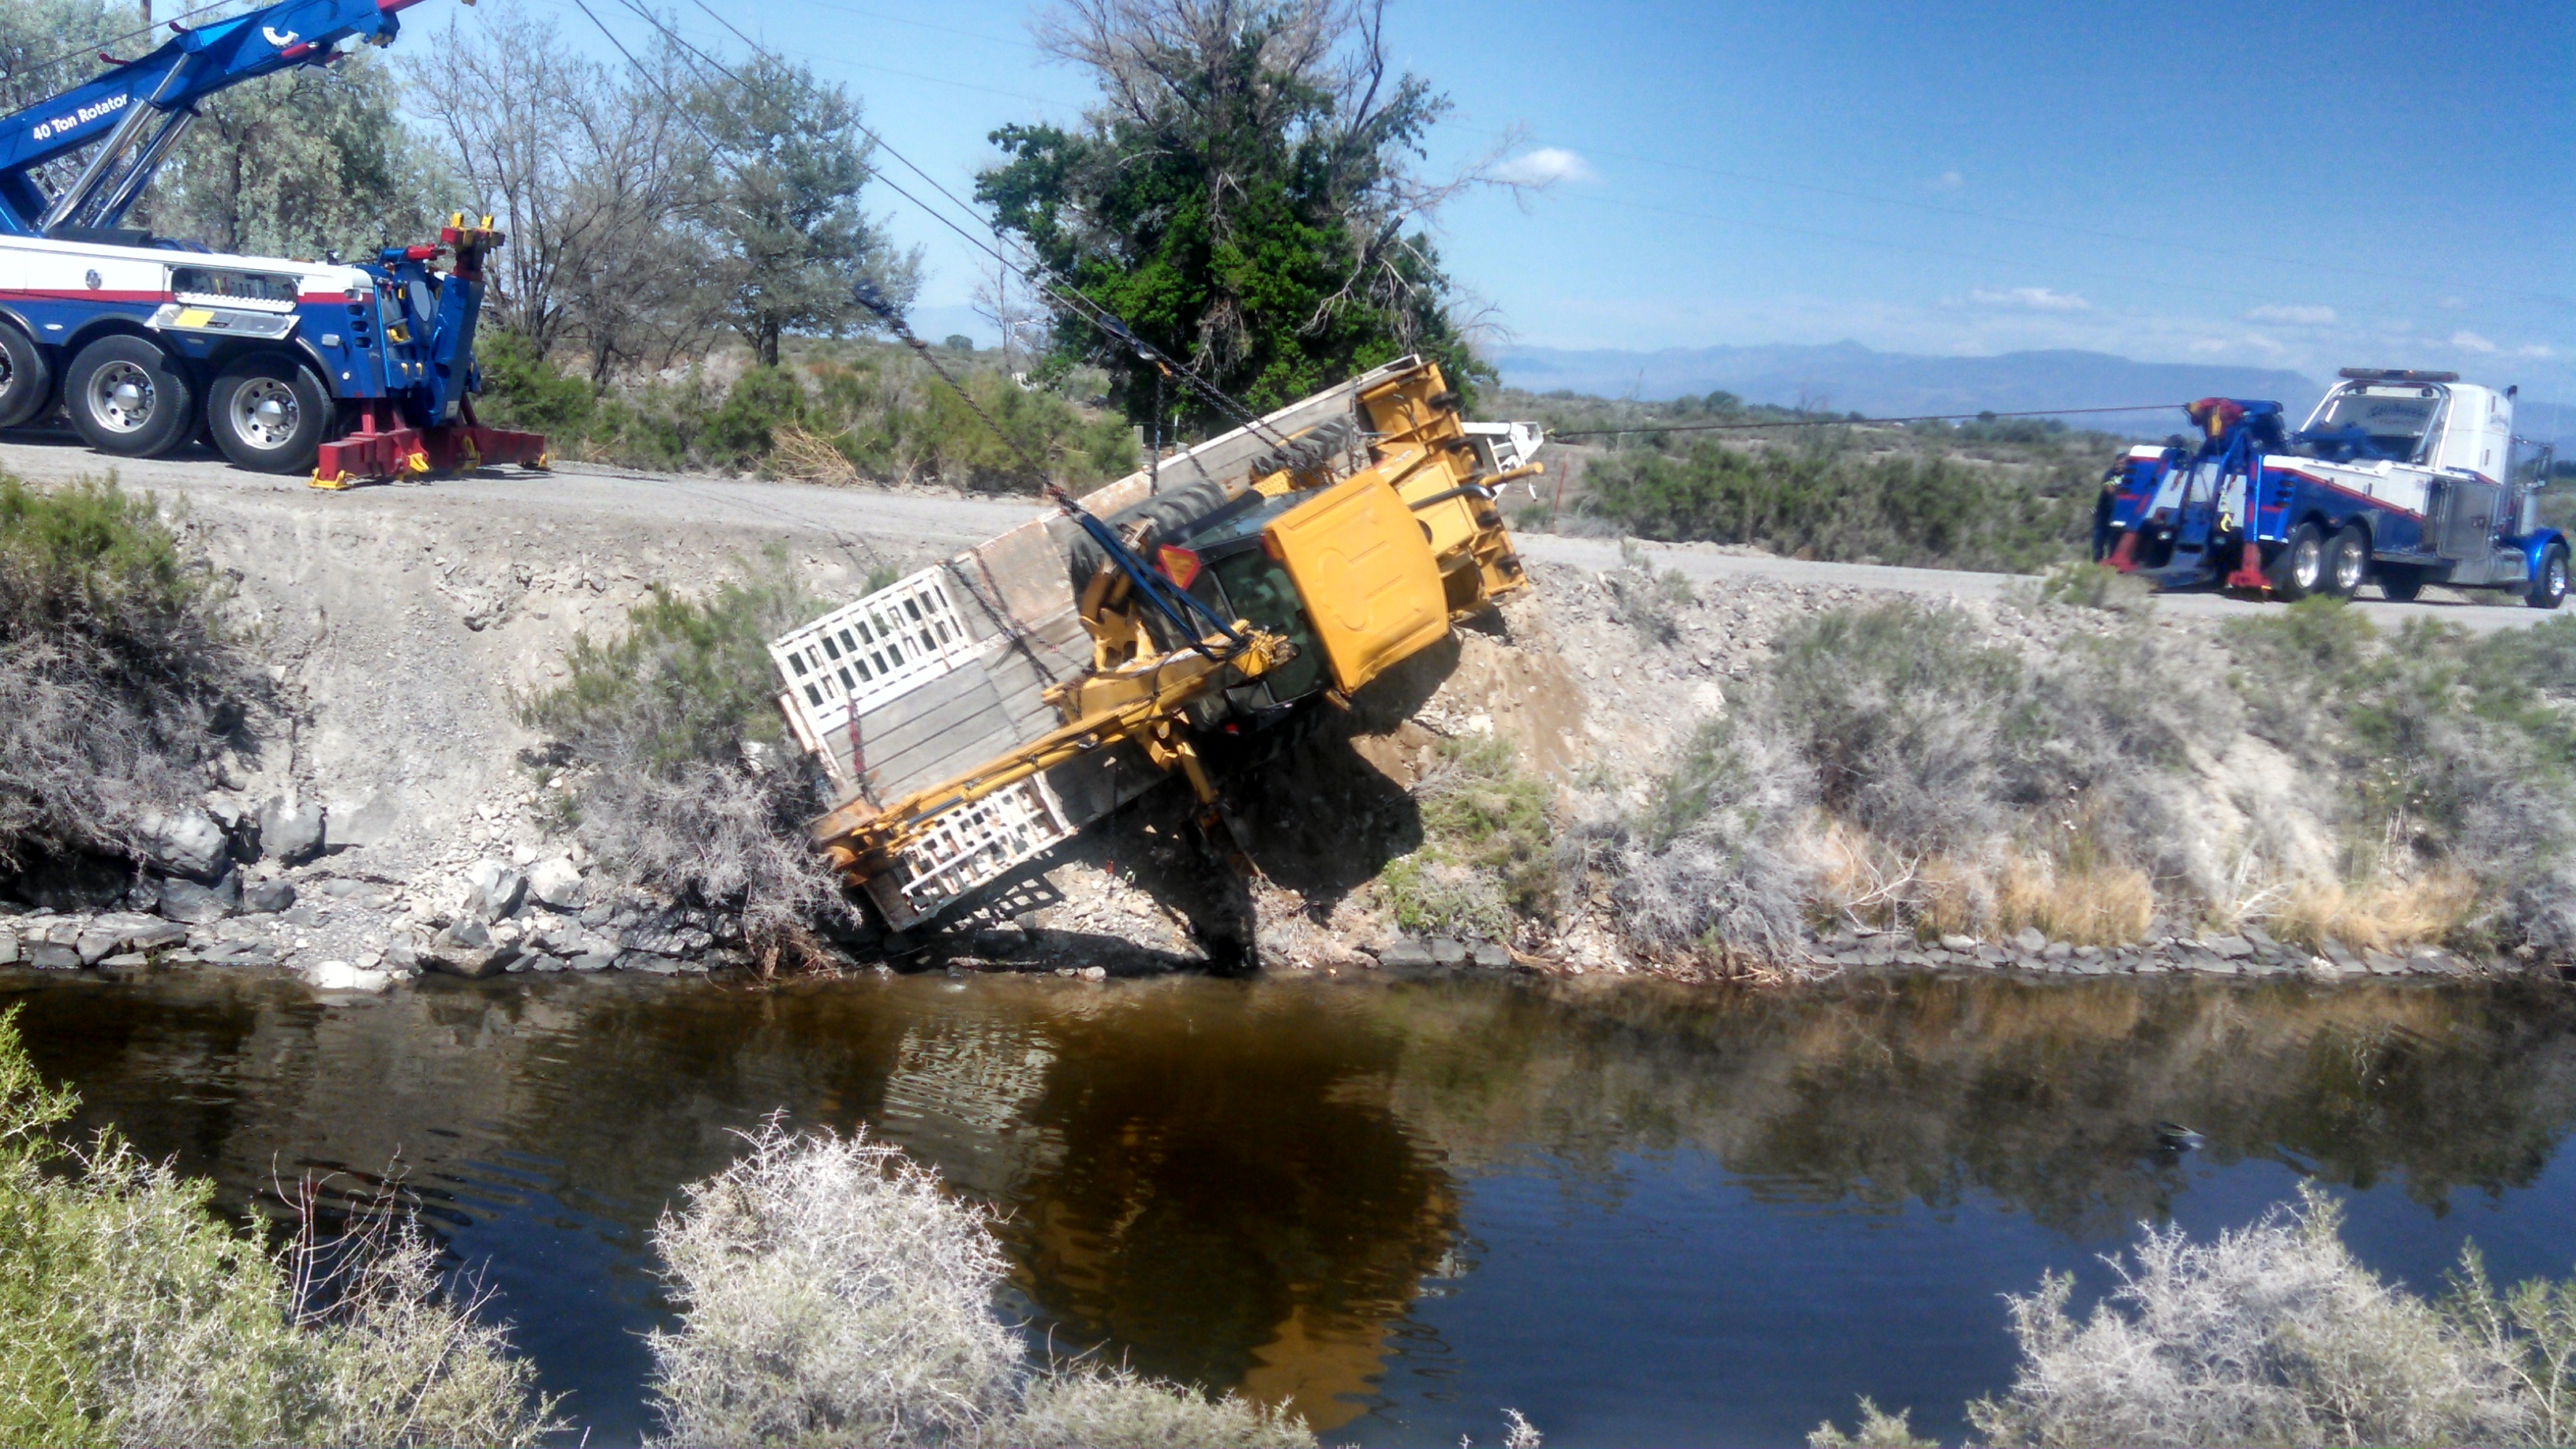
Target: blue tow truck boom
2399 478
355 372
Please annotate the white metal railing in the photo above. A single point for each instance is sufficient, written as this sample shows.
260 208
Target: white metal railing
969 847
860 655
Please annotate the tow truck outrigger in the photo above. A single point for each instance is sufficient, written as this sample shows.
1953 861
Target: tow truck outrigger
353 371
2399 478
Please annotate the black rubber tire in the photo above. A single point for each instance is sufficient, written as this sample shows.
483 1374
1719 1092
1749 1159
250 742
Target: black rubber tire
26 379
163 415
269 414
2299 569
2347 563
2549 587
2398 583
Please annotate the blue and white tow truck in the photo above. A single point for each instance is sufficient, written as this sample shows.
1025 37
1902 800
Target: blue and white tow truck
148 342
2399 478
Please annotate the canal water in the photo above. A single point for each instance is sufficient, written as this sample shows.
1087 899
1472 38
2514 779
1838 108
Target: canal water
1639 1214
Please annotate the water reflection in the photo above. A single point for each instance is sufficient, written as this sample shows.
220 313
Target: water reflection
1257 1184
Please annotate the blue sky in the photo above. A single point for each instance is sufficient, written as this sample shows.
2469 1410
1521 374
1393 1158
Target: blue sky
2296 185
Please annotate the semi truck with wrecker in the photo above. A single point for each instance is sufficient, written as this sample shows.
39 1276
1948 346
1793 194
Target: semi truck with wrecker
2399 478
973 715
149 343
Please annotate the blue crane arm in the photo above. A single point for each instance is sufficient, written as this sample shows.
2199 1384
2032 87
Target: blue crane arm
119 104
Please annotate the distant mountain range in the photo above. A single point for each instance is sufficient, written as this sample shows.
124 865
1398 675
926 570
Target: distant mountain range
1847 377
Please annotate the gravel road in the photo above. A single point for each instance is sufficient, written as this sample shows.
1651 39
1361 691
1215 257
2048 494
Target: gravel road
909 524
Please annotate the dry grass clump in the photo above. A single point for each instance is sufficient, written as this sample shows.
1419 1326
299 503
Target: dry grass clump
831 1293
116 675
810 458
2378 915
683 781
130 1314
2084 902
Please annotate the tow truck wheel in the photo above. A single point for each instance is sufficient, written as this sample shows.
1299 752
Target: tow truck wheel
267 414
25 380
126 398
2549 586
2347 563
2299 569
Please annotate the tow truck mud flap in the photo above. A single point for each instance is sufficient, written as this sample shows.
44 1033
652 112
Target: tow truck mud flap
374 457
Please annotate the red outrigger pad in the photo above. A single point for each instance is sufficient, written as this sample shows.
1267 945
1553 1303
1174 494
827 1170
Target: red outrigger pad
375 454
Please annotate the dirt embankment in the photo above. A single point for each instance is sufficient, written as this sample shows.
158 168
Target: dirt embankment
405 625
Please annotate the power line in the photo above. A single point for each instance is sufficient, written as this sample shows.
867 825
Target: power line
1553 434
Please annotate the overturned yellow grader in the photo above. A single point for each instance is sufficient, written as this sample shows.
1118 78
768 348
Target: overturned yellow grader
976 713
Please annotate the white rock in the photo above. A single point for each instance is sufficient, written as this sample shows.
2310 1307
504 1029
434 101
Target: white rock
341 976
556 882
521 855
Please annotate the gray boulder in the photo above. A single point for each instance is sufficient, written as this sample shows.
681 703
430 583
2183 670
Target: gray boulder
493 890
197 904
267 896
2031 941
185 842
290 830
8 948
1402 953
467 949
555 881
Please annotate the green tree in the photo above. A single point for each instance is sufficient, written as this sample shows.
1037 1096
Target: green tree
784 208
300 161
1242 196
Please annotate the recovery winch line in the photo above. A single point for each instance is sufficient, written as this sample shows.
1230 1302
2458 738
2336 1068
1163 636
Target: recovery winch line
1851 422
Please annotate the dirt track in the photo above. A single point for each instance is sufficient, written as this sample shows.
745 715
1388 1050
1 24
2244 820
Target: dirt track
662 511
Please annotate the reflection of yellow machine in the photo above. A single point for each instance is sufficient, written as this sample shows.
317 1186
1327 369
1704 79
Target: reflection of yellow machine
1301 557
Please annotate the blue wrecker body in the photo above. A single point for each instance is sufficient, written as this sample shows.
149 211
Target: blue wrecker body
2399 478
149 343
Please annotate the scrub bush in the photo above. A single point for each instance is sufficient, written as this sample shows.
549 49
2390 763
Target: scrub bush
1712 864
117 677
830 1292
1830 502
683 779
1488 853
854 411
130 1314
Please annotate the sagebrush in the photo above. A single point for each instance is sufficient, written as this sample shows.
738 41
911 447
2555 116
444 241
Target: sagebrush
131 1314
118 679
682 778
831 1292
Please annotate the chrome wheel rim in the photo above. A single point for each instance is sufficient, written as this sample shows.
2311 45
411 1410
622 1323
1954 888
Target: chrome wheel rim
2347 570
2557 584
121 397
265 413
2307 562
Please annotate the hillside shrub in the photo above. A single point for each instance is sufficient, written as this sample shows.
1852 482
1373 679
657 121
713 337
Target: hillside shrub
854 412
1488 852
1840 503
682 777
131 1314
118 679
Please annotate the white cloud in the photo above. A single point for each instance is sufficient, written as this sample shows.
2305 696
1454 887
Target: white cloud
2536 350
2030 299
1545 167
2468 341
1947 181
2294 316
2452 304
